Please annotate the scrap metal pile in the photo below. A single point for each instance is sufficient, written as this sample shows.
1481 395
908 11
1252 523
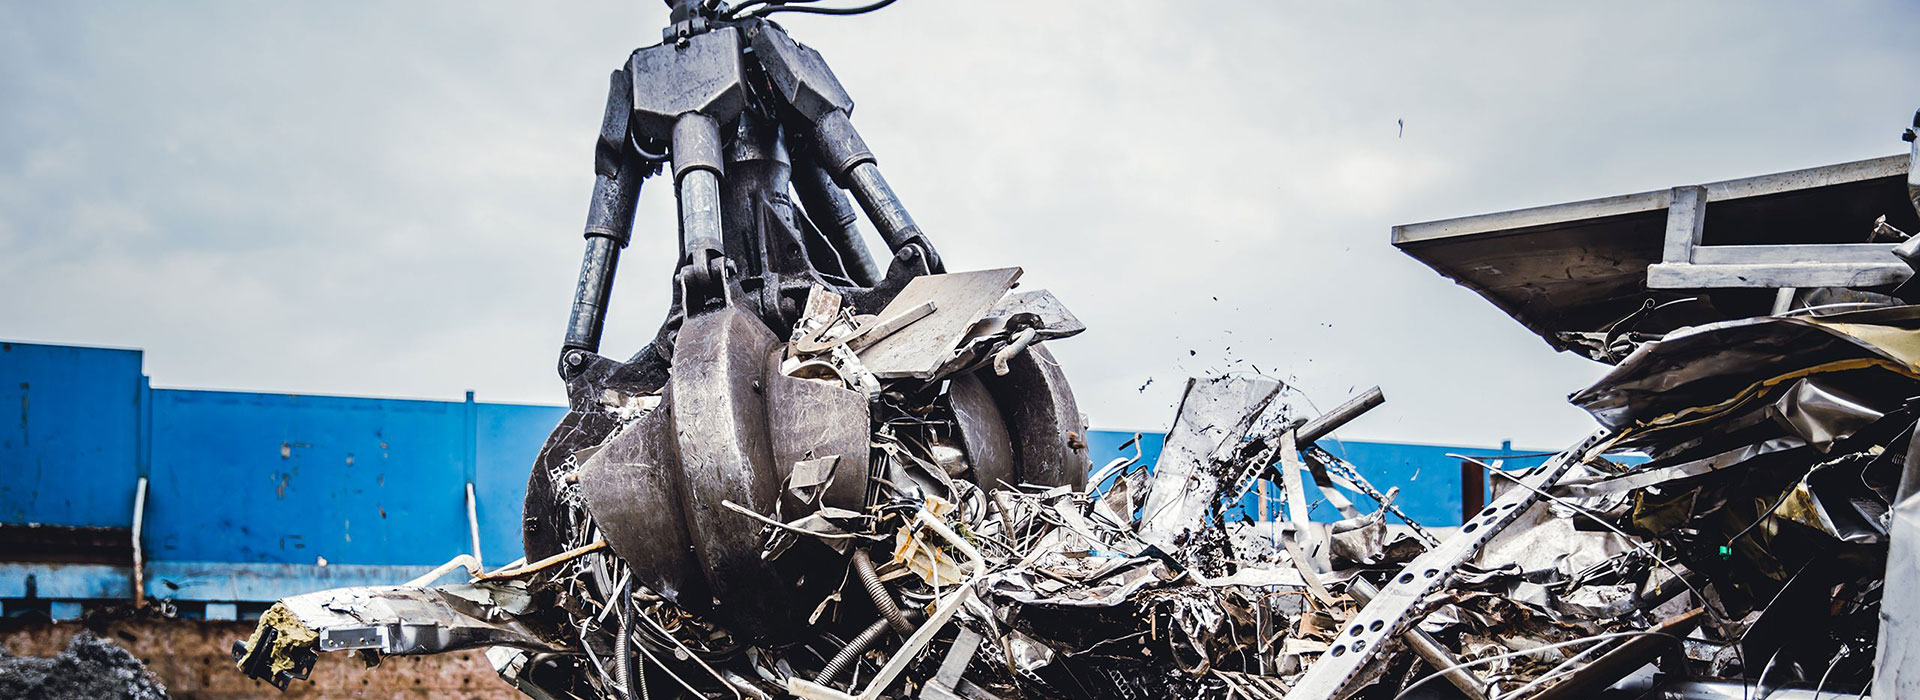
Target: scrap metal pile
824 481
1750 549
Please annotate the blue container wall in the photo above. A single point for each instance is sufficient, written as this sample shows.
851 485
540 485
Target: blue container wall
1429 480
250 478
273 478
69 434
295 479
509 438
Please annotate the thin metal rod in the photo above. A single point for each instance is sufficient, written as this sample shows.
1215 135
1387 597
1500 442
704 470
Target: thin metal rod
1525 652
525 569
473 527
139 552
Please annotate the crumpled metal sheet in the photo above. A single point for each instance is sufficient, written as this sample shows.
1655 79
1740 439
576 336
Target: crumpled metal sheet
1703 365
1540 540
1109 591
1668 473
401 620
1819 412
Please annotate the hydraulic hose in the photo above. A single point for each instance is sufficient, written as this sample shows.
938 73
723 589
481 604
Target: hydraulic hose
882 598
851 652
623 646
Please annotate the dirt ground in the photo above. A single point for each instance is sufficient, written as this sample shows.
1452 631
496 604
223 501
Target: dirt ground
193 659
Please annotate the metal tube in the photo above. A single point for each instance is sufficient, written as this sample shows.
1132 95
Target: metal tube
590 295
1717 690
697 164
473 528
700 220
618 172
877 590
830 211
700 211
883 207
1339 416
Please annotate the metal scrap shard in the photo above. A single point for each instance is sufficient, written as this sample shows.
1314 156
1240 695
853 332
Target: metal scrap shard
1184 485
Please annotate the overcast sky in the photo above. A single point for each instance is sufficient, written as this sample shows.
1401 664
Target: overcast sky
386 199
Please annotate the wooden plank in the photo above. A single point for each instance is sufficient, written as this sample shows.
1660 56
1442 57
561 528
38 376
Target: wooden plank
1686 219
1501 222
1794 253
1762 276
1806 179
1758 186
959 299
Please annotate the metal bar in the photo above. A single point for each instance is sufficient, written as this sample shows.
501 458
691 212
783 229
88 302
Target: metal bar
1296 492
618 172
1783 300
473 527
1352 650
1426 647
591 294
697 164
1341 415
1533 217
1614 665
833 215
466 560
1807 178
1725 690
139 553
1502 223
886 211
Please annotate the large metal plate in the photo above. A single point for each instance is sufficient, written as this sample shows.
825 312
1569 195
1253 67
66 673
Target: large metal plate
983 431
810 419
720 423
1049 437
630 487
959 299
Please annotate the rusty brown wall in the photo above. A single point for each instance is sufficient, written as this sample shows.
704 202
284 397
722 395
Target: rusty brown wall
193 659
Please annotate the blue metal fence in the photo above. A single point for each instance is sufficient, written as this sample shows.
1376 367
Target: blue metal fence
254 496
